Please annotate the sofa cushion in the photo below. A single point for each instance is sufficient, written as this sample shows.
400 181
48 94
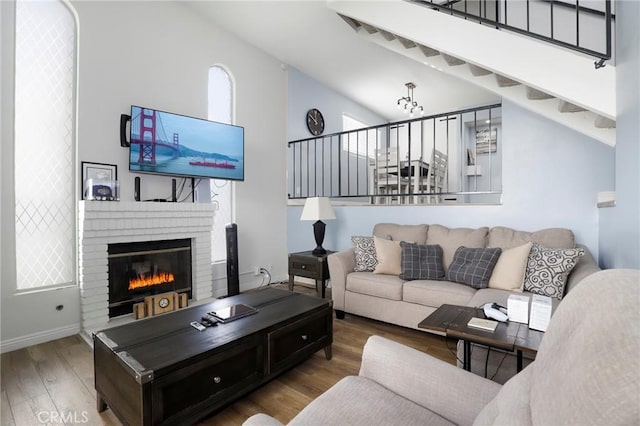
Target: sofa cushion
365 253
548 268
510 268
451 239
421 262
473 266
389 254
512 405
357 400
379 285
414 233
436 293
504 238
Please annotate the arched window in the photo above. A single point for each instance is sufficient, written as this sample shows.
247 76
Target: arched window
45 143
221 109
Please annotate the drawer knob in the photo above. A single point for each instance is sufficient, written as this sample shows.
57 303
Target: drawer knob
304 266
217 379
304 337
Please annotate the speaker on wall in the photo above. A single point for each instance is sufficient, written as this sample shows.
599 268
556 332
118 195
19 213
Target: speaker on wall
136 188
233 278
124 119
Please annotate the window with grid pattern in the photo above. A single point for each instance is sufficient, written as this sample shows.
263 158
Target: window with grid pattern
45 80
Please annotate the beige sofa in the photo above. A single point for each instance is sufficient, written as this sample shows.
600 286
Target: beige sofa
587 372
388 298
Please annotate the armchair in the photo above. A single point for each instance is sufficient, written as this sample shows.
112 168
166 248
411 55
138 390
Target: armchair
587 371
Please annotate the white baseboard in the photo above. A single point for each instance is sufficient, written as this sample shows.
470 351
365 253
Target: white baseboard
39 337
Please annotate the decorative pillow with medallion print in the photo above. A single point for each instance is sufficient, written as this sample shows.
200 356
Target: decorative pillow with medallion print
365 252
548 269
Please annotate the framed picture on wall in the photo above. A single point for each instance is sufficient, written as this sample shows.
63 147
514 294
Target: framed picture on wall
486 140
99 181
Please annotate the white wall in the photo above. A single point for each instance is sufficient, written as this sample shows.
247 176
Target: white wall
620 225
551 177
303 94
157 54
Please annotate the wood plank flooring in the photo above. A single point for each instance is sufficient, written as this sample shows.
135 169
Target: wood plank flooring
52 383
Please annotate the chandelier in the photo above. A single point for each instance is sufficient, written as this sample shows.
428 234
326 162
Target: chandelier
408 104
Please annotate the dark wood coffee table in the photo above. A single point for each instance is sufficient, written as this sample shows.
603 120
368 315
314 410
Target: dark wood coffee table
511 336
163 371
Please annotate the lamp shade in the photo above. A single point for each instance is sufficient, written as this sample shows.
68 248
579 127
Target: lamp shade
317 208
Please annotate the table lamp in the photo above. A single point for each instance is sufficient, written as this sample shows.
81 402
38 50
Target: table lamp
318 209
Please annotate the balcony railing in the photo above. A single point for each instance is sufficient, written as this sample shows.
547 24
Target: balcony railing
451 157
581 25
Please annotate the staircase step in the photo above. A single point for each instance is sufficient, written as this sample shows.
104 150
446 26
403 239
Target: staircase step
427 51
569 107
352 22
505 82
387 35
370 28
477 71
536 95
604 123
452 60
408 44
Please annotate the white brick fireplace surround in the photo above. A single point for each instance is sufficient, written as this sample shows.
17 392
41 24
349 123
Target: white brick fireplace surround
107 222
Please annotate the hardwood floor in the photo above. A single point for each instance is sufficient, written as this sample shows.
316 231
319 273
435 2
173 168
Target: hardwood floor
52 383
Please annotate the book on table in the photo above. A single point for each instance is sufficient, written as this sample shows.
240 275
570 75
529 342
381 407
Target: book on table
482 324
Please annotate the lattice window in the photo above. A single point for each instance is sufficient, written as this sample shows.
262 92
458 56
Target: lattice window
45 71
221 110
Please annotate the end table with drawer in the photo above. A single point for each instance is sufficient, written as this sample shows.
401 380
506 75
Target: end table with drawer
305 264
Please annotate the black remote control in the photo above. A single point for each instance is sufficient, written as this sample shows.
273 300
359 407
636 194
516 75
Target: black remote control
209 321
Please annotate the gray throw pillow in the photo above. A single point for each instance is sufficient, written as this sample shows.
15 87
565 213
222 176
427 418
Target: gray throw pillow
548 269
421 262
473 266
365 252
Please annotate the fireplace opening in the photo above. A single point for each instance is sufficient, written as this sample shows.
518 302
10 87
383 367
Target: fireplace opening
141 269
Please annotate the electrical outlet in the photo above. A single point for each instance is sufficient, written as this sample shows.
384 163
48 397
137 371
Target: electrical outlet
256 270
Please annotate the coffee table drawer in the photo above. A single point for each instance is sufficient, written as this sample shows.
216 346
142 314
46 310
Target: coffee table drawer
208 381
298 340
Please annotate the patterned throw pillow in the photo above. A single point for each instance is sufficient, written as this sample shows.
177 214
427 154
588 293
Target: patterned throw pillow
365 252
421 262
473 266
548 269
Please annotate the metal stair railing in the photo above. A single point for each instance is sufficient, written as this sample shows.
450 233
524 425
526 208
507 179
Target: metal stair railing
499 14
346 164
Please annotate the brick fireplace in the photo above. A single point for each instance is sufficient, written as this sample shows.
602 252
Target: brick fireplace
104 223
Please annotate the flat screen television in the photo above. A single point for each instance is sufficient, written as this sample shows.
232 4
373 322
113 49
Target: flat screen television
173 144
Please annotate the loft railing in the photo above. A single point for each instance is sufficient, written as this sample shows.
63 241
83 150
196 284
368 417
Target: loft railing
563 23
452 157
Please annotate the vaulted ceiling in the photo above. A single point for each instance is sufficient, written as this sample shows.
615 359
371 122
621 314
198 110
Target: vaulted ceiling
369 50
311 37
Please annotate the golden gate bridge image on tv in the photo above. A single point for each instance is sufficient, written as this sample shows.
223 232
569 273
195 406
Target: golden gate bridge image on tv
147 131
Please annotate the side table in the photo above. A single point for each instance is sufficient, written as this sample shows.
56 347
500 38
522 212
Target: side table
305 264
511 336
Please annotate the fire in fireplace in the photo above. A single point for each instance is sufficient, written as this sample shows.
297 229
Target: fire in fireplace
151 280
141 269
